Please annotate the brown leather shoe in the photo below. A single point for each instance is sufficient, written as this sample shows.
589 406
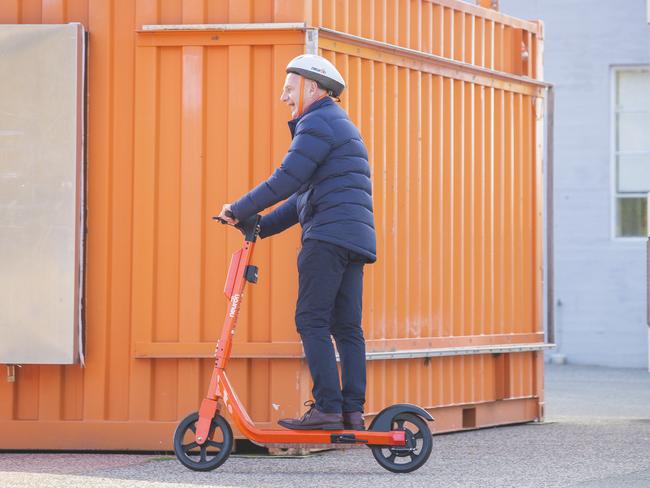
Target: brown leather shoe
314 419
353 421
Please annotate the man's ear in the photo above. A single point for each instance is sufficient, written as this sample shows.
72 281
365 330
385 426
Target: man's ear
313 87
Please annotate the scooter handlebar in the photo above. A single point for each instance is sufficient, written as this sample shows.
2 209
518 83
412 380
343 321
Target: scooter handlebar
228 213
248 227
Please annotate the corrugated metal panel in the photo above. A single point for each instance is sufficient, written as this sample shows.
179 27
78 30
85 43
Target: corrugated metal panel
450 28
198 110
455 198
456 171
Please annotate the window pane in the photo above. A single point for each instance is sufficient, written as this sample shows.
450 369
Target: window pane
633 132
631 217
634 173
633 90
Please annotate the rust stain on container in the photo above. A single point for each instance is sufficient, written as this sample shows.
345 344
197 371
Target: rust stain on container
178 124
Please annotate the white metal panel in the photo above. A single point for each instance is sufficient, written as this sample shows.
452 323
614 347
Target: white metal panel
41 192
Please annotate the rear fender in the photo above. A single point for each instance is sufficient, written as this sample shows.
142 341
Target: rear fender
382 421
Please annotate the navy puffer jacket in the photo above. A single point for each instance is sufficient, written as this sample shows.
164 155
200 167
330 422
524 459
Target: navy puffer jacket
326 178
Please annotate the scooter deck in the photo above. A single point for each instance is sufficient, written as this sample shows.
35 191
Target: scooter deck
267 436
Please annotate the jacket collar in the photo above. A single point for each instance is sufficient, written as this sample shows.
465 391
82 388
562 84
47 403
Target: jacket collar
323 102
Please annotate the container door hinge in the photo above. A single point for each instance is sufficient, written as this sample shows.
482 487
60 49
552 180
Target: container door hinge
11 372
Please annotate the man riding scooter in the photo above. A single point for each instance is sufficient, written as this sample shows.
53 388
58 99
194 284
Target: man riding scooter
325 180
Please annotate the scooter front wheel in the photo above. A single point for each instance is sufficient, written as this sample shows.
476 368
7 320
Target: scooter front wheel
419 443
209 455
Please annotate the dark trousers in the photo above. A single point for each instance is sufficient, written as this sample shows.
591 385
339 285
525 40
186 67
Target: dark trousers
329 304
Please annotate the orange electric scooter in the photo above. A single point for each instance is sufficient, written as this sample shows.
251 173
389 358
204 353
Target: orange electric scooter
398 436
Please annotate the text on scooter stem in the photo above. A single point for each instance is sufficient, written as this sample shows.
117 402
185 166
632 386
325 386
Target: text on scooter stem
234 301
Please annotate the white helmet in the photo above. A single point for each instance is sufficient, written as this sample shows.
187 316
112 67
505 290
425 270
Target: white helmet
319 69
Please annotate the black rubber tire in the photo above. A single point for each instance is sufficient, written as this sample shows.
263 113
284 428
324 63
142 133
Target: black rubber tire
199 458
419 444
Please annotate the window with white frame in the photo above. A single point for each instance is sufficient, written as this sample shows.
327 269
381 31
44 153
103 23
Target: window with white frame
631 120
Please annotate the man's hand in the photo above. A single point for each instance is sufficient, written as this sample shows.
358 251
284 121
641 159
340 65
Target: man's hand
226 214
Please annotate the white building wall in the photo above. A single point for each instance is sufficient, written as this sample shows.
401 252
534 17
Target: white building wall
600 282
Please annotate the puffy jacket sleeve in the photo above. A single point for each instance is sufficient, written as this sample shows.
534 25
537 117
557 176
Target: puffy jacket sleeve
310 146
280 219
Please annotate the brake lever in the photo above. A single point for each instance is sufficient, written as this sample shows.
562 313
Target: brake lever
228 213
249 227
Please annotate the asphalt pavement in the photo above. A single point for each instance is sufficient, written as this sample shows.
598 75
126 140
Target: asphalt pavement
596 434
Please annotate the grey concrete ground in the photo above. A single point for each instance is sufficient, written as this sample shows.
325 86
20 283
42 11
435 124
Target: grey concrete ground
596 435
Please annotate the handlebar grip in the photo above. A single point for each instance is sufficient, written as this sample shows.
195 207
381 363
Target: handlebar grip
249 227
228 213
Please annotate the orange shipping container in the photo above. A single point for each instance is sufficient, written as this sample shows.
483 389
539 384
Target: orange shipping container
184 116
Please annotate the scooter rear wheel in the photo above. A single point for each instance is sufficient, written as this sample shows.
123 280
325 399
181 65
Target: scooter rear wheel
212 453
419 443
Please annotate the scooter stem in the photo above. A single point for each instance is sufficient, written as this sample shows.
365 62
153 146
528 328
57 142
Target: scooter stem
239 273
